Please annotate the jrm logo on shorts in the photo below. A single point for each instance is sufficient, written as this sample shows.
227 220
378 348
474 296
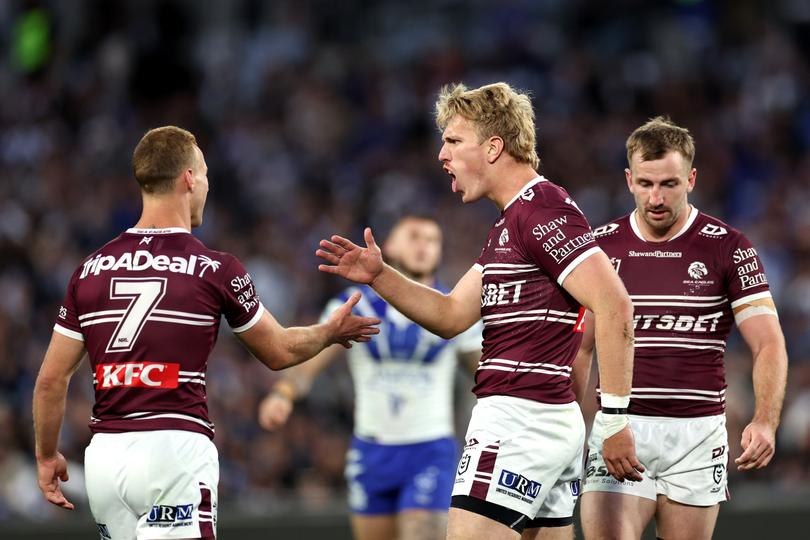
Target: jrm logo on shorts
169 514
518 486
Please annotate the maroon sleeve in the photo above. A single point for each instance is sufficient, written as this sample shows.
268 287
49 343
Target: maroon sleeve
240 301
558 238
67 320
745 274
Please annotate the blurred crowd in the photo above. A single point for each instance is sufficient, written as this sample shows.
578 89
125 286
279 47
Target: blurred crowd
316 117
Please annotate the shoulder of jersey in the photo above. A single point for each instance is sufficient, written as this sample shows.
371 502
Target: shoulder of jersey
710 227
546 194
615 227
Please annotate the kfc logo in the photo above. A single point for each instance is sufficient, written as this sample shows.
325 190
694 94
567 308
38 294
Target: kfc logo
136 375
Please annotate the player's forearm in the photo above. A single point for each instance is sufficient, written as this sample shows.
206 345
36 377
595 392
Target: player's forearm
300 343
425 306
614 346
769 380
48 411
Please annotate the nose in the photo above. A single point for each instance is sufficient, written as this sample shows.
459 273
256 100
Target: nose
656 197
444 154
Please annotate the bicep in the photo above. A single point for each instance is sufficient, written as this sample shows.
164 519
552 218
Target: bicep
62 358
465 300
761 329
594 283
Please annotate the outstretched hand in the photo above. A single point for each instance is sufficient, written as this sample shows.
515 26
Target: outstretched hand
350 261
50 471
346 327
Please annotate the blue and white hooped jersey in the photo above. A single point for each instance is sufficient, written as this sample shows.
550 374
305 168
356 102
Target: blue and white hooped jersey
403 378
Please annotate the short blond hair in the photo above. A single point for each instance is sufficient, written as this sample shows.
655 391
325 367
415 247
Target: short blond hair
659 136
496 110
161 155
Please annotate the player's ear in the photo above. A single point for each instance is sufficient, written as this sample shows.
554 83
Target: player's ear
628 175
690 182
494 149
187 180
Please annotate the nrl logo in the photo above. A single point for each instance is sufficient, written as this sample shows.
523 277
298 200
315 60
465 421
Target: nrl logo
697 270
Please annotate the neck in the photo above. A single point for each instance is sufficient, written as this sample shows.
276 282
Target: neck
509 182
162 213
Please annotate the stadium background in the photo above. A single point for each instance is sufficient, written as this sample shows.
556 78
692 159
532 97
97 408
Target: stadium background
315 117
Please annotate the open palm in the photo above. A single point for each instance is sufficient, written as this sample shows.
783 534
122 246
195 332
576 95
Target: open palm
350 261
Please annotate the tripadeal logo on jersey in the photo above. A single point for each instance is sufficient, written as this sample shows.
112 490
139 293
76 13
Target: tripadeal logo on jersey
144 260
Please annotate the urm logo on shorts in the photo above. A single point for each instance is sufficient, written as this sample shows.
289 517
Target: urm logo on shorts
163 513
519 483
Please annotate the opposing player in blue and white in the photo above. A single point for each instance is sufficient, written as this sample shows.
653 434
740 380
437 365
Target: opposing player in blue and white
401 465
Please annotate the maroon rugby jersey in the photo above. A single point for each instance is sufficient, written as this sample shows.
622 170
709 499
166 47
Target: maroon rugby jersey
147 306
531 324
683 292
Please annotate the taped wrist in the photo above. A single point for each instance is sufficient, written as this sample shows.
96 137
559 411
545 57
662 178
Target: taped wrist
614 414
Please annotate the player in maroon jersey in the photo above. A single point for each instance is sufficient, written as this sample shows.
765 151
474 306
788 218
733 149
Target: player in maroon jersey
690 276
146 308
520 471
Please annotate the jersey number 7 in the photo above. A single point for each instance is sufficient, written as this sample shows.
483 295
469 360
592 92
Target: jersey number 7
145 294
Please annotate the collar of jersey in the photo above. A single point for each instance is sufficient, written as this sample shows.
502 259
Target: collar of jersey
166 230
693 214
522 190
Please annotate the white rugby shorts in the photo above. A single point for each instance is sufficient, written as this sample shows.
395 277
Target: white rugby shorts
152 484
685 460
523 455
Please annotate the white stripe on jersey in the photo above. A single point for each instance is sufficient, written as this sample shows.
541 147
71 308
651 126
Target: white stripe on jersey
677 393
680 346
679 303
180 321
182 379
192 374
522 363
100 321
675 297
685 340
182 314
677 396
100 313
68 332
152 416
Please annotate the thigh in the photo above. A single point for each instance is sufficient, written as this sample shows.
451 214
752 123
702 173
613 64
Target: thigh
104 475
422 525
676 521
377 527
372 476
614 516
428 475
516 452
549 533
181 499
694 471
466 525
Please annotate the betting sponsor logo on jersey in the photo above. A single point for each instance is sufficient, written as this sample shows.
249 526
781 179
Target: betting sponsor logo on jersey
678 323
604 230
499 294
137 375
697 270
518 486
142 260
163 513
712 230
658 254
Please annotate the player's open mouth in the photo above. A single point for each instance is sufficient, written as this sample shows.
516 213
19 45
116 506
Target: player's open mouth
453 183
